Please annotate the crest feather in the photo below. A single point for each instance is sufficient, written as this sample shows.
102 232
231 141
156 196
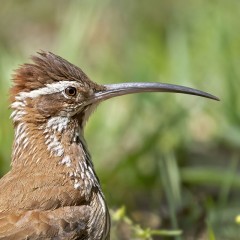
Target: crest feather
46 68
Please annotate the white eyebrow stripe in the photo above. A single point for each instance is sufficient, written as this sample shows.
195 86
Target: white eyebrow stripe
49 89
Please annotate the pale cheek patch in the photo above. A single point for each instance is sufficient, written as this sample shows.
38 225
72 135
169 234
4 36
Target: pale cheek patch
57 124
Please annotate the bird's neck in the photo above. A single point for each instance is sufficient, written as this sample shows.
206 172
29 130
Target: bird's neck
55 145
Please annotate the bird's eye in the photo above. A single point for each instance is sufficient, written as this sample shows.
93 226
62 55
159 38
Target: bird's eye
71 91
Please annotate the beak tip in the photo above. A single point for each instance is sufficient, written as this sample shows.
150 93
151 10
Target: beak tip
215 98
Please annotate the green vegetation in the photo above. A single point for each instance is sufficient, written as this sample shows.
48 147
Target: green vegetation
171 160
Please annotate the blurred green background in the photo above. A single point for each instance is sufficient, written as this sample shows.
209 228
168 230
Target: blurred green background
171 160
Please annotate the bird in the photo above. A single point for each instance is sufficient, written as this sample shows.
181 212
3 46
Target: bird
52 190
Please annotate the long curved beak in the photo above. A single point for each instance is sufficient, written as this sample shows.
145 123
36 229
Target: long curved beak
114 90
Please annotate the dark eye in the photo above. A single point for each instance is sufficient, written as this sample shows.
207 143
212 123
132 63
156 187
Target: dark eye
71 91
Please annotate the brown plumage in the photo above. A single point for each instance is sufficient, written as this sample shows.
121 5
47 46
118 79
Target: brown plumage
38 198
52 190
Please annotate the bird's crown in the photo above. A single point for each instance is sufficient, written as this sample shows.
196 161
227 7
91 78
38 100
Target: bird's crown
47 68
50 86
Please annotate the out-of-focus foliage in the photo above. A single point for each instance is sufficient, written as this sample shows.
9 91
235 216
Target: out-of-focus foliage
172 160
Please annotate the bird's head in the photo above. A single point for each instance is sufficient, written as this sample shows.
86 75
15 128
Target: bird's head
53 87
50 87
